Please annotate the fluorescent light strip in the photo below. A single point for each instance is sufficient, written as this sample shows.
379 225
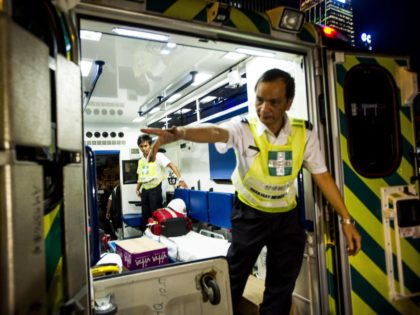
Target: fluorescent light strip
184 110
140 34
207 99
139 119
233 56
253 52
154 110
174 97
90 35
201 77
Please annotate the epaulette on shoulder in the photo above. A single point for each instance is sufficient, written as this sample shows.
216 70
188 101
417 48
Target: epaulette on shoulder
244 120
308 125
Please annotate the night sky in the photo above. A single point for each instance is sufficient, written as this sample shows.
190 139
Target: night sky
393 25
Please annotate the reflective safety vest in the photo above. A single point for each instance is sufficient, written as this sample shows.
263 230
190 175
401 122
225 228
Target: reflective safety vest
149 174
269 183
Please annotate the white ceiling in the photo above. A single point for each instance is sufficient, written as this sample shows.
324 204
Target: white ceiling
135 71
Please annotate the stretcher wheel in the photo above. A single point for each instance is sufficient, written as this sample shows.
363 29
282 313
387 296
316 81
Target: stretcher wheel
109 309
211 289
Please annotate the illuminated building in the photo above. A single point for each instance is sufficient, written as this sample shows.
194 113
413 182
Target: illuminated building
334 13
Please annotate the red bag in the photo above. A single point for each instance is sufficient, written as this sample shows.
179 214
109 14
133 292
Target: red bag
169 223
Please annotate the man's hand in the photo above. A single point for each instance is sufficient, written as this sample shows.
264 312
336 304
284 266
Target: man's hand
182 184
138 192
353 239
164 136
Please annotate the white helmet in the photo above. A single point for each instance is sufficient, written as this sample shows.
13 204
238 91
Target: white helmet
178 205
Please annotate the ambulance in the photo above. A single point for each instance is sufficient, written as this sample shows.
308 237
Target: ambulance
80 78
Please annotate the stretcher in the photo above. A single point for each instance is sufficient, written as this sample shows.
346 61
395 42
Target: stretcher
193 245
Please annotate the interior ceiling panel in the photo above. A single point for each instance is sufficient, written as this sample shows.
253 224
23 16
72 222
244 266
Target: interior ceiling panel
136 71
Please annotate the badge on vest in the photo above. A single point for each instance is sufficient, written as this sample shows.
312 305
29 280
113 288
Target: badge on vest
145 169
280 163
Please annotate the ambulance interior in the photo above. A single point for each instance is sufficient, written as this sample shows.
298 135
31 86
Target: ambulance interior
158 78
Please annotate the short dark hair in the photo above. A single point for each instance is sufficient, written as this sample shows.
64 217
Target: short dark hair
144 138
277 74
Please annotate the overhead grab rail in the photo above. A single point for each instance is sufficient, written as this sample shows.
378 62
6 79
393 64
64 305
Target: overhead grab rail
92 83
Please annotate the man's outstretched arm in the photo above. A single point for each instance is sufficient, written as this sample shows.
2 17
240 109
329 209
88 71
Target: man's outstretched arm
203 133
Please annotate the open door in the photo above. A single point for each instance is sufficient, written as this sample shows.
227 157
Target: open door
374 136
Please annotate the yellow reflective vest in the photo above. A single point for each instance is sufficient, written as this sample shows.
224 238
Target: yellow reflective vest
268 185
149 174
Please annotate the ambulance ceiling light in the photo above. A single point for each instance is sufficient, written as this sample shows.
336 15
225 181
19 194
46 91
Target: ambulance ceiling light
90 35
140 34
168 92
286 19
207 99
154 110
183 111
253 52
233 56
201 77
174 97
138 119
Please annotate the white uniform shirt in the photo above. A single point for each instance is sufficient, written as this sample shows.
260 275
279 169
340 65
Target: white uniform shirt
240 138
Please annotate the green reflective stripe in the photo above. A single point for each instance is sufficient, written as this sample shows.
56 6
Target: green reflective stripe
407 129
308 33
186 9
159 5
49 220
53 247
259 23
242 21
341 74
362 195
331 281
367 60
360 305
350 62
56 289
376 252
370 295
362 191
53 253
395 180
401 62
368 192
408 158
331 289
406 111
343 124
376 255
201 16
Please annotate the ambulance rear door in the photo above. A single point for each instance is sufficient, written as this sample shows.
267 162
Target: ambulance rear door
371 136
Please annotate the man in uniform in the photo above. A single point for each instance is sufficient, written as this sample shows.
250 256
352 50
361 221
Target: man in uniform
270 150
